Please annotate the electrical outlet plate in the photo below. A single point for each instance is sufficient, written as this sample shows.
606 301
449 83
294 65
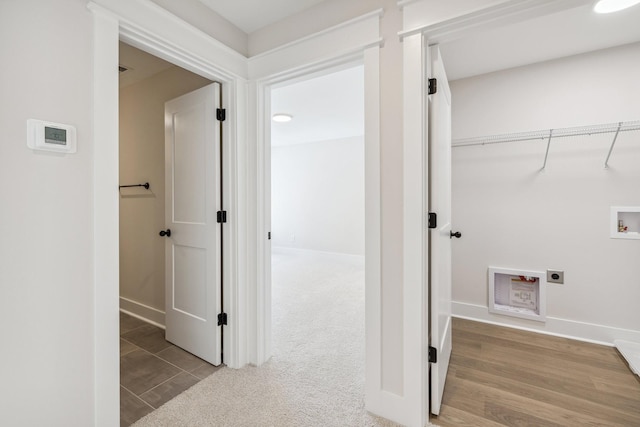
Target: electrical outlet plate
555 276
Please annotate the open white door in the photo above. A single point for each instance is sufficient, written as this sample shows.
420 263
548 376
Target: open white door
193 247
439 119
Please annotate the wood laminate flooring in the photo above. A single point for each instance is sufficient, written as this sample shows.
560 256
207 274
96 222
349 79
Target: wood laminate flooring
506 377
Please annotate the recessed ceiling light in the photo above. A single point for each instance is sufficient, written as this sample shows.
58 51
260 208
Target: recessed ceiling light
283 118
608 6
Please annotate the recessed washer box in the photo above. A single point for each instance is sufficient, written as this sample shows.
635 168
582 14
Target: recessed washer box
50 136
518 293
625 222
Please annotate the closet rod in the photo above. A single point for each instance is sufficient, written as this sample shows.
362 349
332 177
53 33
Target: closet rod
544 134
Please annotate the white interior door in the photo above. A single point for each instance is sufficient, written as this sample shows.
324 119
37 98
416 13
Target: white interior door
439 111
193 249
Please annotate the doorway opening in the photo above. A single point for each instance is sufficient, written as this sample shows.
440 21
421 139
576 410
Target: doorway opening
317 227
481 172
153 369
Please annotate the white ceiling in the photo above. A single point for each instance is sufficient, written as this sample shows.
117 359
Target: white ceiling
566 33
251 15
324 108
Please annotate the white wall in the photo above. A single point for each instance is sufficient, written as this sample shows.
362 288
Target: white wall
315 19
205 19
513 215
317 196
392 191
46 214
142 212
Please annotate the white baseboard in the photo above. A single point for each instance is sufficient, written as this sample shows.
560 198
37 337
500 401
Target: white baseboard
142 312
582 331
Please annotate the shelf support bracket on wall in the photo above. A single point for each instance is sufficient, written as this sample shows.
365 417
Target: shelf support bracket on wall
546 155
615 137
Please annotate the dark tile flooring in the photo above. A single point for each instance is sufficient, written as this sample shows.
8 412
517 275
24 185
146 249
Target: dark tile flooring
152 370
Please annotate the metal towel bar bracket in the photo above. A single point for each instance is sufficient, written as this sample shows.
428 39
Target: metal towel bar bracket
145 185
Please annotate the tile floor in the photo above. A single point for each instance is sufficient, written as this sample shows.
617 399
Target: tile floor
152 370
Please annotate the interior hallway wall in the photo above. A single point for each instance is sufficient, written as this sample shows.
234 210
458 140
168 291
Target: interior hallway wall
318 196
142 212
512 214
46 217
202 17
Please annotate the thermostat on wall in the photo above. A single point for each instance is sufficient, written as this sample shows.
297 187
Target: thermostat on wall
48 136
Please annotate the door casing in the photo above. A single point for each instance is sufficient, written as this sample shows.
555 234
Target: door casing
109 28
264 332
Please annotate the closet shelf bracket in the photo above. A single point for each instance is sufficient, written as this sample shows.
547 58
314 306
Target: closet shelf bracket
615 137
546 155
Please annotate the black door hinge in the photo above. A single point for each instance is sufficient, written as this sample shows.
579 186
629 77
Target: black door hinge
221 114
222 319
269 235
433 220
433 355
221 216
433 86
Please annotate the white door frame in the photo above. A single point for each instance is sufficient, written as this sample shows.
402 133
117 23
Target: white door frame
171 39
263 96
355 41
369 57
421 33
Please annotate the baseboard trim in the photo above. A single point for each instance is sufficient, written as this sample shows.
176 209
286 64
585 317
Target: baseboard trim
582 331
143 312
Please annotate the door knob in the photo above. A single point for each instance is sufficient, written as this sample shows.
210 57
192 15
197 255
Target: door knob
457 234
166 233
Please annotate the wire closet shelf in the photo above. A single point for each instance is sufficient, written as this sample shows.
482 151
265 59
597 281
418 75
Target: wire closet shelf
549 134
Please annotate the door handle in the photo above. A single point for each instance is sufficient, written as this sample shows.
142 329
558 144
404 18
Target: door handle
457 234
165 233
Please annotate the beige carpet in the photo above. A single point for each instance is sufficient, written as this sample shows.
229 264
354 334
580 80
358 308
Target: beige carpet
316 375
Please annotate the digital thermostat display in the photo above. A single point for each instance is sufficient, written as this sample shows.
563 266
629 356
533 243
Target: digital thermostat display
49 136
55 135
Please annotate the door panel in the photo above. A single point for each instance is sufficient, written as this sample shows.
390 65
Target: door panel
190 270
189 164
193 251
439 111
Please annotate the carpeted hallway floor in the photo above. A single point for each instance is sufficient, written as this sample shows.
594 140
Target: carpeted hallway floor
316 375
